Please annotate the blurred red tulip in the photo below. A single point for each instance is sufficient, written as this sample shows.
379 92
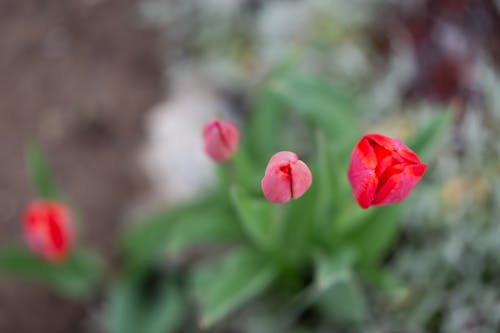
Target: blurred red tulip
221 139
286 178
47 229
383 170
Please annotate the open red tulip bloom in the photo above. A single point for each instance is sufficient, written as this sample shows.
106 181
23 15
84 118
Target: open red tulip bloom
221 139
286 178
383 170
47 229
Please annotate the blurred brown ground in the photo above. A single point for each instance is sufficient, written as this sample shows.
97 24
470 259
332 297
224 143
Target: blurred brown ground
77 76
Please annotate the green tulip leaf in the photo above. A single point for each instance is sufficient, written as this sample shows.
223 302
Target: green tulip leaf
207 219
131 309
40 173
372 236
258 218
76 277
223 286
334 268
264 134
344 302
319 102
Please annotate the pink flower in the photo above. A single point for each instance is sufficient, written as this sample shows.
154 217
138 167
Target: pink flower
47 229
383 170
221 139
286 178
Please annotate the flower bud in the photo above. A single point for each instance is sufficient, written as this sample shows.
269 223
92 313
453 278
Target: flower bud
221 139
383 170
47 229
286 178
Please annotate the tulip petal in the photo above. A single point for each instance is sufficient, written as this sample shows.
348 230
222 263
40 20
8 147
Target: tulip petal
408 154
383 170
396 145
301 179
221 139
58 228
230 135
361 173
399 185
285 178
47 229
280 158
388 143
276 185
213 143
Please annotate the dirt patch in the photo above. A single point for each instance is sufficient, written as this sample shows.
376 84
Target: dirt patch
77 77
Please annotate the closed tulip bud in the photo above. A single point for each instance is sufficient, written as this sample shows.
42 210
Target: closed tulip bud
286 178
221 139
47 229
383 170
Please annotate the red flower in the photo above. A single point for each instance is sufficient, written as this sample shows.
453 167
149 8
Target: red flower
221 139
47 229
286 177
383 170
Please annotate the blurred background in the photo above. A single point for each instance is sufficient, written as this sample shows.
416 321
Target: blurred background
79 78
115 92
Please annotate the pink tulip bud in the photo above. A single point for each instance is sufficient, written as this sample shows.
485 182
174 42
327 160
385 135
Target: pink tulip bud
47 229
221 139
286 178
383 170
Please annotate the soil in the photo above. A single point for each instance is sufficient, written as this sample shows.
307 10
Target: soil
77 77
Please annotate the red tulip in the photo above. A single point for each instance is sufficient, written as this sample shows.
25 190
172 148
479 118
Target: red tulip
47 229
221 139
383 170
286 178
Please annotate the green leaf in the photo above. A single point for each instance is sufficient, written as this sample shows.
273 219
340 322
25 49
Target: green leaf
350 217
76 277
333 269
216 225
339 154
258 218
335 207
223 286
206 219
372 236
298 227
40 174
385 281
318 101
343 302
264 132
426 141
130 309
322 184
247 174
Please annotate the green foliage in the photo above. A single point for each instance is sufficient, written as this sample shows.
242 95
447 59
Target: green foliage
372 235
324 230
259 220
323 105
264 129
77 277
333 269
137 305
40 174
321 251
344 302
222 286
207 219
